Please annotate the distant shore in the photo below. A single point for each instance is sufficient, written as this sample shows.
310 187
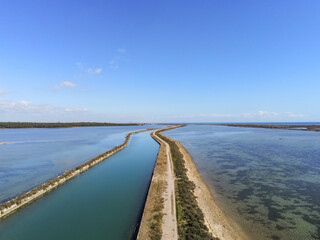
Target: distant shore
15 204
315 128
9 125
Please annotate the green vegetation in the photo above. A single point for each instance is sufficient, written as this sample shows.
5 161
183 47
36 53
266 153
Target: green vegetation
151 222
190 218
62 125
156 220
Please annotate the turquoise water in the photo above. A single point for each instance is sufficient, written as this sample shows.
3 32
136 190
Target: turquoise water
105 202
266 180
33 156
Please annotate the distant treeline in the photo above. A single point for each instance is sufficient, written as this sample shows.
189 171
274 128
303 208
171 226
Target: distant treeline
62 125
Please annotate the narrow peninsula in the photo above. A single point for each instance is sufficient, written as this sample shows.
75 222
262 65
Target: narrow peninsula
192 213
159 216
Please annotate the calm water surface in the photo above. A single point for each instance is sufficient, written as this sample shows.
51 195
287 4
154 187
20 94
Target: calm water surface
105 202
33 156
267 180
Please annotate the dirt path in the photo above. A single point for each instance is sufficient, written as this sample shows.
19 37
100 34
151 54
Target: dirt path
159 215
169 224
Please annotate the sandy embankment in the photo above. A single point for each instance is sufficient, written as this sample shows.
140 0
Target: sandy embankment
13 205
159 215
215 219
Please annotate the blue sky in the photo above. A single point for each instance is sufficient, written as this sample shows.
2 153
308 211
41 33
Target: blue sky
160 61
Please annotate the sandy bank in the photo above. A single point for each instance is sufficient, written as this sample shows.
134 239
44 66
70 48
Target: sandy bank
215 219
13 205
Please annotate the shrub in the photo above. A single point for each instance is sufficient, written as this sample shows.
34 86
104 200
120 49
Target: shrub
190 217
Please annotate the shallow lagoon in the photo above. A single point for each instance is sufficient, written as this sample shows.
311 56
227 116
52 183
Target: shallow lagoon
30 157
267 180
106 202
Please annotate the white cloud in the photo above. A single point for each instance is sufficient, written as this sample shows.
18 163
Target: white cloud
27 107
65 84
201 116
82 68
294 115
79 65
25 103
76 110
261 114
20 106
182 116
3 92
267 114
114 63
215 115
94 71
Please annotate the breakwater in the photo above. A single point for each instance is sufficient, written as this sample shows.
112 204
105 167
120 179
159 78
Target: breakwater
13 205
